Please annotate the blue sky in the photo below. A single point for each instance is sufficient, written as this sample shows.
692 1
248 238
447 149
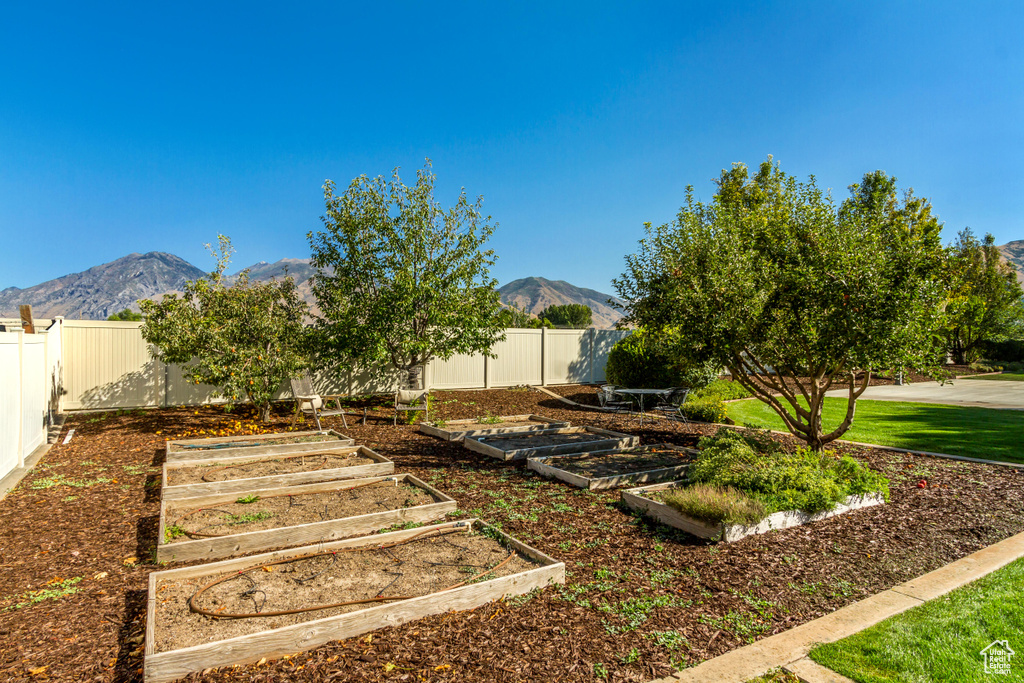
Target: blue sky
152 127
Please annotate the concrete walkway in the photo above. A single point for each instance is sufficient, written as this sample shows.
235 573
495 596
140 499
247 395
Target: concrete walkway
960 392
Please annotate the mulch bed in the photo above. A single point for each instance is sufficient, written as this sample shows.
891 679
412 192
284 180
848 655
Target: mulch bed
629 461
640 597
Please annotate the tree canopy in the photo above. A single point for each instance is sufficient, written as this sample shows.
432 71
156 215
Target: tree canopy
984 301
578 316
127 315
243 338
790 292
400 279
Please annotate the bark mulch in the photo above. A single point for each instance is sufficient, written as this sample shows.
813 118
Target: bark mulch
640 600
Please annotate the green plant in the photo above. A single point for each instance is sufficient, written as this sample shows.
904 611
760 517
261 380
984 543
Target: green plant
711 409
725 389
805 480
172 532
489 419
630 657
235 520
645 360
59 588
245 500
715 505
62 480
600 670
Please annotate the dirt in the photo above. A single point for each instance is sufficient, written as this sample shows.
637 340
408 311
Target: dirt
273 465
425 565
280 510
633 584
246 442
633 460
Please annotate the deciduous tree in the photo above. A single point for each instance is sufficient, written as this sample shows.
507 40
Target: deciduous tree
578 316
790 292
400 279
243 338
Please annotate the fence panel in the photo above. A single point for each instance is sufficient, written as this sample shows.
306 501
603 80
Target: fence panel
458 372
567 356
33 392
107 365
54 377
518 359
10 401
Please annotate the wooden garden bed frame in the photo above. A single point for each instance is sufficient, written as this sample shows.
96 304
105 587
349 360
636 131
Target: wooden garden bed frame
289 536
178 449
174 664
380 466
451 430
612 440
548 467
635 500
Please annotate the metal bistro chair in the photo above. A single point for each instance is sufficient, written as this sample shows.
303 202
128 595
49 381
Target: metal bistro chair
609 400
309 402
671 404
411 400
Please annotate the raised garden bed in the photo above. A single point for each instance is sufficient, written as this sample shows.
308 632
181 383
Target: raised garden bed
549 442
645 499
219 525
370 582
259 444
187 478
615 468
457 430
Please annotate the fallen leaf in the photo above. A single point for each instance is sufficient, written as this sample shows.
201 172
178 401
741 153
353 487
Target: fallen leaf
36 672
101 575
130 560
261 662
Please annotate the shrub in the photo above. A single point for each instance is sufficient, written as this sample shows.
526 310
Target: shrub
645 361
725 389
710 409
716 505
800 480
984 366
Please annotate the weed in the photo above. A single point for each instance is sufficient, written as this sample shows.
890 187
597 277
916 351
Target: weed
245 500
489 419
600 671
673 641
68 499
842 588
635 611
565 545
661 576
235 520
520 600
805 587
630 657
604 574
172 532
60 588
562 507
61 480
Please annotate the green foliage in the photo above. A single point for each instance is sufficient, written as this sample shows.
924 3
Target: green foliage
725 389
578 316
244 339
172 532
127 315
515 317
59 589
709 409
400 279
716 505
806 480
984 300
646 360
245 500
772 274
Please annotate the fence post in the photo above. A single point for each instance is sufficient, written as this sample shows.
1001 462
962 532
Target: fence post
487 371
593 343
543 356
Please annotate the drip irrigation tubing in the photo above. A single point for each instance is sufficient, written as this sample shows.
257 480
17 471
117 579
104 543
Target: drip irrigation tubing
193 601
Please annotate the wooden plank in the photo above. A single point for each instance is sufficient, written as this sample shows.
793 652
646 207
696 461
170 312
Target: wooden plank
289 536
612 441
635 500
25 311
451 431
380 466
548 467
175 451
174 664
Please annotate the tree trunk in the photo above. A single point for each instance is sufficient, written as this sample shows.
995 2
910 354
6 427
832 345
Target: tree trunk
264 412
412 377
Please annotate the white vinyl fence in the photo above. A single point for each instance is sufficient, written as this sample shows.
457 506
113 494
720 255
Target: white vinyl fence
108 365
31 387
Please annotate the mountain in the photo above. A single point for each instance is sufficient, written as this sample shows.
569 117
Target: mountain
1014 253
534 294
102 290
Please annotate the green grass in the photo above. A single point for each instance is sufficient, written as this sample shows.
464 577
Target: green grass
974 432
940 640
1003 377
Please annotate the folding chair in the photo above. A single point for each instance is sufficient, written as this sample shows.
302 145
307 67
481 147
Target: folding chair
309 402
408 400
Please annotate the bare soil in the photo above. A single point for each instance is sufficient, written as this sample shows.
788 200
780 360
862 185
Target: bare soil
283 464
426 565
244 442
515 441
275 512
633 583
633 460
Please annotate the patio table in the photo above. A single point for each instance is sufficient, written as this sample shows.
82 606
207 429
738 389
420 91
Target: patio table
637 396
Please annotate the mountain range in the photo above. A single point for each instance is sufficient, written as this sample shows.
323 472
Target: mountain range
1014 253
103 290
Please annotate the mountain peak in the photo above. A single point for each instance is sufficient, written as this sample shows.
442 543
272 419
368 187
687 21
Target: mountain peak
534 294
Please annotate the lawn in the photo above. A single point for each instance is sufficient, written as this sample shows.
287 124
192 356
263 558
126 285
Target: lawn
973 432
940 640
1003 377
